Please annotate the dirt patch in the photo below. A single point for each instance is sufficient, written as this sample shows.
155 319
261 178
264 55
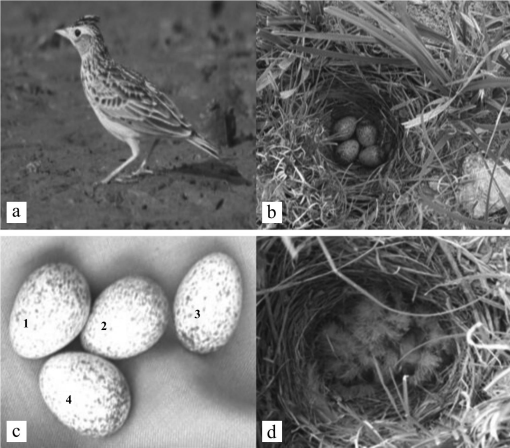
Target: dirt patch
54 148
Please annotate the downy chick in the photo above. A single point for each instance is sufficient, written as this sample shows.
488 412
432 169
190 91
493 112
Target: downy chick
339 351
363 345
424 349
410 352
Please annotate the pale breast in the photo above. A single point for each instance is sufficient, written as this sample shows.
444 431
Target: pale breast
97 100
118 130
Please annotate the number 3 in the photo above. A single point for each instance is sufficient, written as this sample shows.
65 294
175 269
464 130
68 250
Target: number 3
198 314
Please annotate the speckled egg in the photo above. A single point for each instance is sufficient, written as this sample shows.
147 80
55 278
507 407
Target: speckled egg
372 157
208 303
344 128
346 152
85 392
127 319
50 310
366 133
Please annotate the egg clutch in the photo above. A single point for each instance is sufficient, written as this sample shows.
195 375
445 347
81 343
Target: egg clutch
84 390
357 142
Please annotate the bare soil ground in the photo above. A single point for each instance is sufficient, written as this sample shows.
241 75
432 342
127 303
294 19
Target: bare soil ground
54 148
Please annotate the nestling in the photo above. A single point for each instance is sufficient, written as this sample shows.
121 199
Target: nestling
410 350
367 344
361 347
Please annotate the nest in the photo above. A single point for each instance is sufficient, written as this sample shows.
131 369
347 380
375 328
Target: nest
353 96
462 285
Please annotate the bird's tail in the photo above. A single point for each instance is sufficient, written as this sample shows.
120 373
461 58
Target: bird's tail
201 143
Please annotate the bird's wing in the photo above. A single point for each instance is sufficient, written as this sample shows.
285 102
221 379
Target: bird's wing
129 98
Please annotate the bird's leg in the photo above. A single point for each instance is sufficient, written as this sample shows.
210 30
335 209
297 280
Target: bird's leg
141 169
135 150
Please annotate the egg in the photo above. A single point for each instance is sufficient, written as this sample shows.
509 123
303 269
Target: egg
207 304
372 157
85 392
344 128
366 133
50 310
128 318
346 152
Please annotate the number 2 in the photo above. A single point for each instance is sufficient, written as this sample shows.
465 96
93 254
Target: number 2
104 326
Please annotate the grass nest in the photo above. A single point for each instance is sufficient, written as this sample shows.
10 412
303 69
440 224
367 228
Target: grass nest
464 286
435 96
354 96
352 190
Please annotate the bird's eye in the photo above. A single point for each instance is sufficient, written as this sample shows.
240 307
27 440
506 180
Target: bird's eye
77 33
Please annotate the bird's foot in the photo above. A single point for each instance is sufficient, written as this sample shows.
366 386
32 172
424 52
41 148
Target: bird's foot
126 178
133 177
142 171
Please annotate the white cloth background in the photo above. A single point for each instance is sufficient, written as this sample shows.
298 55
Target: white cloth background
179 399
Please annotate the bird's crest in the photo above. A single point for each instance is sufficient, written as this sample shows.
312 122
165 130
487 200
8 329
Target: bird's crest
87 20
92 24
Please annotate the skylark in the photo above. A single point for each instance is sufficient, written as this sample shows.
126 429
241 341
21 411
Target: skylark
126 103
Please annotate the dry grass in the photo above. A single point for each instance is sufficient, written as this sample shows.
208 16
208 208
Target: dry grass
302 281
435 98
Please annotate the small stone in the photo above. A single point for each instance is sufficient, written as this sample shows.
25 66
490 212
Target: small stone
366 133
484 185
346 152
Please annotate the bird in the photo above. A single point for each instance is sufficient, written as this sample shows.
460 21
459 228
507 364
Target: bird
410 350
366 344
359 347
126 103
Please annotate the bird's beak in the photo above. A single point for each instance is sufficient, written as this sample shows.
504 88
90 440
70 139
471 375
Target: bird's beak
63 32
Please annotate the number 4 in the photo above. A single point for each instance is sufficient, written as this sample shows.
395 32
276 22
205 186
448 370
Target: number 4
69 399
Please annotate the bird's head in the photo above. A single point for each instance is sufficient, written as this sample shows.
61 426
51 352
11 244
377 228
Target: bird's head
84 34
